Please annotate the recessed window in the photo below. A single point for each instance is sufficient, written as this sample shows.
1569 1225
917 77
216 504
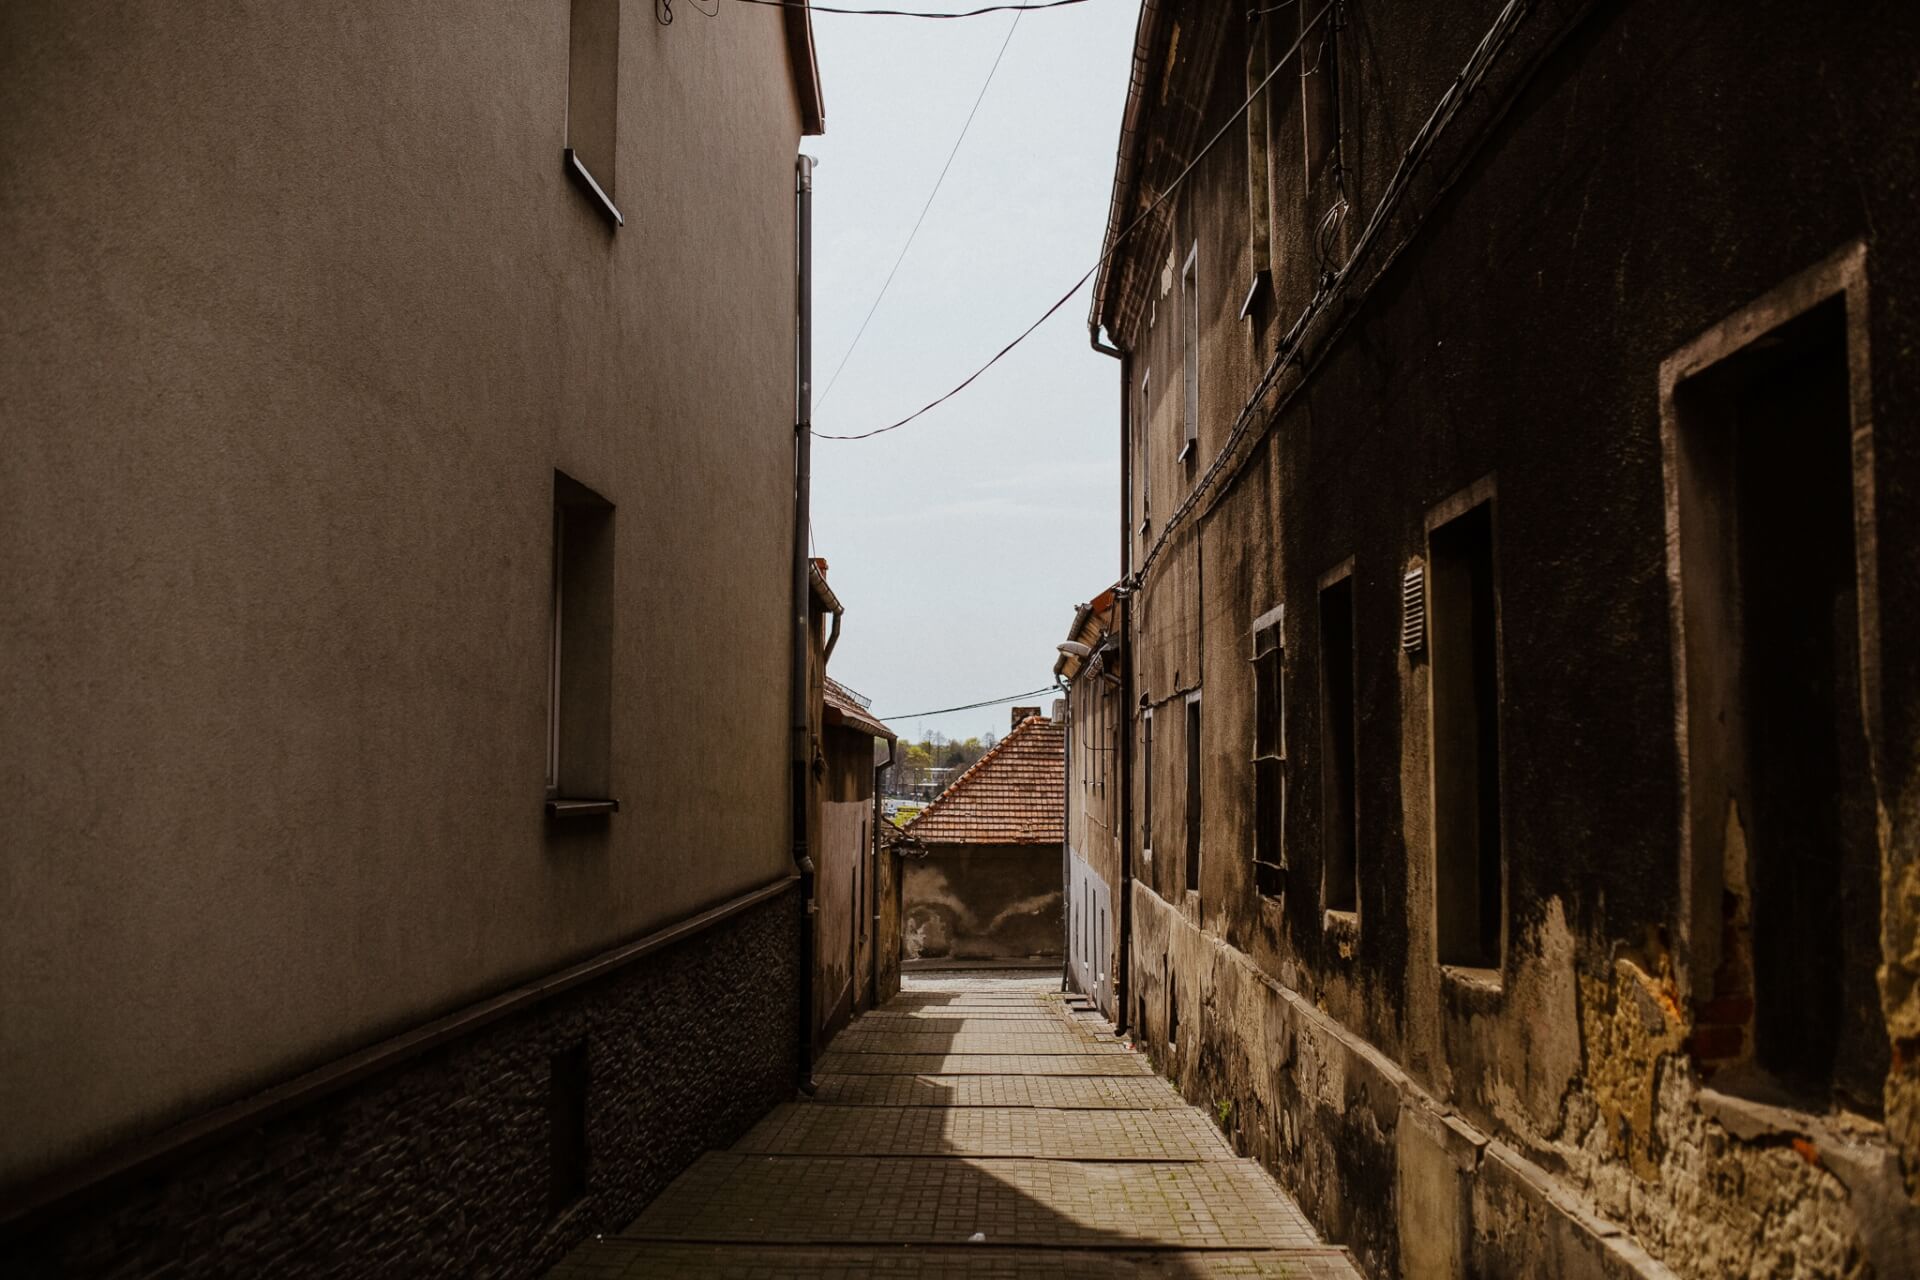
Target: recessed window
1193 793
1143 451
1464 642
1259 167
580 668
1339 776
1146 785
1269 758
593 97
1769 483
1190 350
567 1089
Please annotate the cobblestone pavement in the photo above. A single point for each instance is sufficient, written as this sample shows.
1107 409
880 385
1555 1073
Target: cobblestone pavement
978 1128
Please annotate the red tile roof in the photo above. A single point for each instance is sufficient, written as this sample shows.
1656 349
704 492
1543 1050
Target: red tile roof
1014 794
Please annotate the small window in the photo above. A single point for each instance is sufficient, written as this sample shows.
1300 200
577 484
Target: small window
1269 758
1259 167
593 95
567 1087
1193 793
1146 786
1339 778
580 663
1142 449
1190 350
1323 187
1464 643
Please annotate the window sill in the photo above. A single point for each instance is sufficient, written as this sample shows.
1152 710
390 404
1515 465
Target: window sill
1254 293
586 183
1470 978
580 808
1334 920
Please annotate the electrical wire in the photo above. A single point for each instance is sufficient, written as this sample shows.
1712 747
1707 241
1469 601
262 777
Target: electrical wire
910 13
973 706
1112 248
888 282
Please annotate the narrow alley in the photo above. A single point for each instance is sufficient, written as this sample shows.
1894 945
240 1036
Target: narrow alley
976 1125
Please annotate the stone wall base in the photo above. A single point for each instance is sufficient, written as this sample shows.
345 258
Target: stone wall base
1377 1162
443 1165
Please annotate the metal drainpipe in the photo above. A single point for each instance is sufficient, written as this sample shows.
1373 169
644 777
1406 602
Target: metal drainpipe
873 881
1066 833
1123 664
803 596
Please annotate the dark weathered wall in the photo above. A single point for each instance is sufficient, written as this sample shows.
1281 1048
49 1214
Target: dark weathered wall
1625 178
983 902
440 1167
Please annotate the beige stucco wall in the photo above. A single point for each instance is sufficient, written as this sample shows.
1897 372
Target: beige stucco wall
301 315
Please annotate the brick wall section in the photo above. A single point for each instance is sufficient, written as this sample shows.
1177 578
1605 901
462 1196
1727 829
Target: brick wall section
439 1167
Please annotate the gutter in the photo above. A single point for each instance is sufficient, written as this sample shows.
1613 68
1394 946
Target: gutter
801 674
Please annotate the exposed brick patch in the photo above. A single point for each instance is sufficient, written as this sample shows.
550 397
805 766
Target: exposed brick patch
439 1167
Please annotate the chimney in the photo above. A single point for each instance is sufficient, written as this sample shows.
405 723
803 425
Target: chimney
1021 713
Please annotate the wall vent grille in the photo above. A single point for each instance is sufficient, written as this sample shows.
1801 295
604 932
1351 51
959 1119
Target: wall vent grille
1413 610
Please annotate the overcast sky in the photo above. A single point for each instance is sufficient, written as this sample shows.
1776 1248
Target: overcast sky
961 543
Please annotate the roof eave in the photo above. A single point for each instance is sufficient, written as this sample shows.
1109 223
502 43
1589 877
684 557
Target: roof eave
1126 164
806 68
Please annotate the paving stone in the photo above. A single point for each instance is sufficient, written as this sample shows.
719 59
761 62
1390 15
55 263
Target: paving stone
617 1259
734 1196
973 1104
833 1062
1038 1132
1129 1092
1061 1041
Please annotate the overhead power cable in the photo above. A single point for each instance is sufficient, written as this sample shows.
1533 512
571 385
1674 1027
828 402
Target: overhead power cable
972 706
911 13
888 282
1306 29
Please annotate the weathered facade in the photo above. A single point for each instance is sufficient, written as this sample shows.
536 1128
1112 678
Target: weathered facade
364 580
989 885
1520 632
1096 736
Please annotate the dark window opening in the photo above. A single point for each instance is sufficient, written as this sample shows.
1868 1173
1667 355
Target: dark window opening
1190 353
1173 1004
1339 779
567 1088
580 671
1269 763
593 81
1464 642
1146 783
1193 795
1771 587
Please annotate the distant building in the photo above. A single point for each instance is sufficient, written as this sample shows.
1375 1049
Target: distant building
847 892
1096 779
989 887
1519 621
